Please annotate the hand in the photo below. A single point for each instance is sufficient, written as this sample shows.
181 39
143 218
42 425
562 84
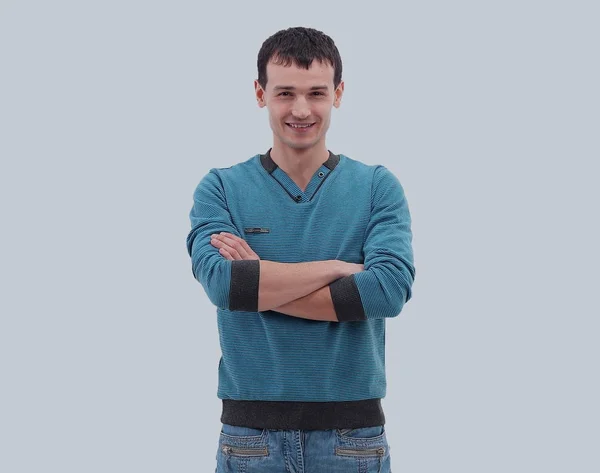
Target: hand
352 268
232 247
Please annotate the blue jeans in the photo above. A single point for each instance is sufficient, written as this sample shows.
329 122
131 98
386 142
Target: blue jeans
249 450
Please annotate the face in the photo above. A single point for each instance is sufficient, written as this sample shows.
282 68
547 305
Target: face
297 96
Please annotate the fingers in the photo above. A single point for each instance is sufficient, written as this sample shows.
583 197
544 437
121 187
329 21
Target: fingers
235 246
249 251
243 244
226 254
228 245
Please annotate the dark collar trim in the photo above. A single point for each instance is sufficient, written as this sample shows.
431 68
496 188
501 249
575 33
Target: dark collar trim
270 165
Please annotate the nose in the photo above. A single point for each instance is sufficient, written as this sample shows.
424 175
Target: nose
300 109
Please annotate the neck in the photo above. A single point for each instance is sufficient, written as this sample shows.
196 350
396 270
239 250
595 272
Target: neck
301 163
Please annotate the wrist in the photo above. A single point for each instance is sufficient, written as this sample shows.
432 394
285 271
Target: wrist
340 268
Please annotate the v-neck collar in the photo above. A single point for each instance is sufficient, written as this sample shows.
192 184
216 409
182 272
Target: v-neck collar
288 184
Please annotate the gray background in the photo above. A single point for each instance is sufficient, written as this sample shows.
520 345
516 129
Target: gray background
110 114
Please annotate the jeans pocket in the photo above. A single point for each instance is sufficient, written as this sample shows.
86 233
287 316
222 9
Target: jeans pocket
362 433
367 446
238 441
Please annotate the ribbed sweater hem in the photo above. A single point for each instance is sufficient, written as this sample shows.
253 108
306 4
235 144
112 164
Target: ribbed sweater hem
296 415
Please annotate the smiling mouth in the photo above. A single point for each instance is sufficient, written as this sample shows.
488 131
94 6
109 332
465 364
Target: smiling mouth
300 126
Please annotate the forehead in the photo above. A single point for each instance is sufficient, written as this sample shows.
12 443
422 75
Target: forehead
319 73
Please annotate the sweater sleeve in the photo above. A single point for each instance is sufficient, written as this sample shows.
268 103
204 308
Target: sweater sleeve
228 284
382 289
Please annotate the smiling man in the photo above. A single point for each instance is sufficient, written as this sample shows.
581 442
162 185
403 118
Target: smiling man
305 254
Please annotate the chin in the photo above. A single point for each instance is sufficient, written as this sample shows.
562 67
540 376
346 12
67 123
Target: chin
301 144
297 145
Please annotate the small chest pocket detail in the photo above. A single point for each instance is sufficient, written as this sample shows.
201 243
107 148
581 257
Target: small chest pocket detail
256 230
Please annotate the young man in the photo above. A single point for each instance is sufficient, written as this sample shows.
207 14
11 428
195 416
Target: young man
306 254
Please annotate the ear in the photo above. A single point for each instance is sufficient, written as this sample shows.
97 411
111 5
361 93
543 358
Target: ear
338 95
260 94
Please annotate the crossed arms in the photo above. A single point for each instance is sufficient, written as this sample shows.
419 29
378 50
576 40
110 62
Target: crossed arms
296 289
234 277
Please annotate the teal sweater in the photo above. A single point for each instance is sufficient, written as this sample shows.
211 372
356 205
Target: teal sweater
284 372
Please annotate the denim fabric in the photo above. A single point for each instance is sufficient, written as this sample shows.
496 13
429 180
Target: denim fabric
250 450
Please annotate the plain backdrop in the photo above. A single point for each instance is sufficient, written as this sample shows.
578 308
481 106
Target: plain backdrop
112 111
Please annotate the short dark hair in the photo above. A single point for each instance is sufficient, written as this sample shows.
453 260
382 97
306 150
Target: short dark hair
301 46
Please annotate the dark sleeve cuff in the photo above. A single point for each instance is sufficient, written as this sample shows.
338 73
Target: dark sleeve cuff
243 290
346 300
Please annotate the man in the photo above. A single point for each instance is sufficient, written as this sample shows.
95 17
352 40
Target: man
305 253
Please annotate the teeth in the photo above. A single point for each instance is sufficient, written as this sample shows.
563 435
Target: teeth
299 126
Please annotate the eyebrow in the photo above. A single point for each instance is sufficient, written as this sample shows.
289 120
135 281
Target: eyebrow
289 87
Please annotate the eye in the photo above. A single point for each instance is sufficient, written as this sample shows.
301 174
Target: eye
319 93
283 93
